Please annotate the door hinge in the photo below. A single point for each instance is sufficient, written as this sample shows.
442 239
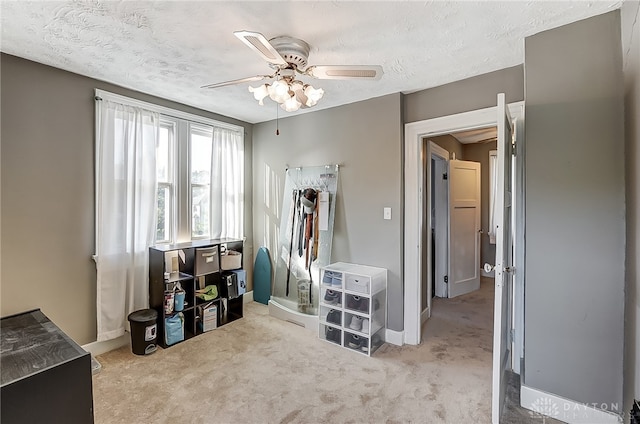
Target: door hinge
446 279
445 176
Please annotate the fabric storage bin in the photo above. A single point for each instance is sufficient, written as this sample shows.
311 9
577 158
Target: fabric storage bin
207 260
174 329
231 260
358 284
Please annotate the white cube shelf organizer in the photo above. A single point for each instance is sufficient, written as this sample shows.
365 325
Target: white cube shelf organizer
353 306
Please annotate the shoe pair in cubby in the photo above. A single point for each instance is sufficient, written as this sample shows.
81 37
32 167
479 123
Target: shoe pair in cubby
333 297
333 334
358 323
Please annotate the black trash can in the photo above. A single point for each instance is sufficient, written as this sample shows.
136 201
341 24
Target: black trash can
144 331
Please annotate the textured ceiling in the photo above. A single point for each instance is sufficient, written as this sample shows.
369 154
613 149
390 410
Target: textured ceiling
171 48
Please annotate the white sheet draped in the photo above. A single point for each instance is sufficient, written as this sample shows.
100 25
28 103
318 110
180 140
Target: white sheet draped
126 138
227 184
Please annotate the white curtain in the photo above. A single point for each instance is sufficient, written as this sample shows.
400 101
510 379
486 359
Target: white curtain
227 184
126 140
493 189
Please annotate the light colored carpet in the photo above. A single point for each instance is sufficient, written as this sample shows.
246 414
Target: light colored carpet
262 370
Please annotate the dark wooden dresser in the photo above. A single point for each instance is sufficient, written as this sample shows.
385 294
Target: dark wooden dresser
46 376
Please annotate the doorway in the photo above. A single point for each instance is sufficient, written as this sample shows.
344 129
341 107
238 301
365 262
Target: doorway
415 251
509 258
460 194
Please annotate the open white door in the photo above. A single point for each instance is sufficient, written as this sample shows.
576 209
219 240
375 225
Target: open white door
504 262
440 222
464 227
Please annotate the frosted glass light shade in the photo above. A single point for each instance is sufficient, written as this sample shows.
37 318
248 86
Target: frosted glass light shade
259 93
290 94
291 104
279 91
313 95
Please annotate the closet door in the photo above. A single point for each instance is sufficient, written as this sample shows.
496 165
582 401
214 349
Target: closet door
464 227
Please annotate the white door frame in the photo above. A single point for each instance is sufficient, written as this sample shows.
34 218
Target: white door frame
414 171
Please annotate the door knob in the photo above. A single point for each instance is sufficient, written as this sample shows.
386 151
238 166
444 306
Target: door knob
488 268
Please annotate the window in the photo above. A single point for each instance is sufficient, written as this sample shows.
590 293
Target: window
200 171
196 164
165 205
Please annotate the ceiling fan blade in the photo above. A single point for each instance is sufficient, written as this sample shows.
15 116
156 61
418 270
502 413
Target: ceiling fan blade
345 72
259 44
237 81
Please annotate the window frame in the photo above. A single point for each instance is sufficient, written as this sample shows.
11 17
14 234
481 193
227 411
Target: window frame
170 183
205 131
181 208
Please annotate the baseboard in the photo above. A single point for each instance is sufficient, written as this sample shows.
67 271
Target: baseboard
425 315
566 410
98 348
247 297
394 337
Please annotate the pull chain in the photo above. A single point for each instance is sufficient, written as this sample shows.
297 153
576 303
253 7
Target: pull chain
277 122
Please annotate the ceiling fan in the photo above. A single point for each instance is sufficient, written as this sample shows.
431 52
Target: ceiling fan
288 56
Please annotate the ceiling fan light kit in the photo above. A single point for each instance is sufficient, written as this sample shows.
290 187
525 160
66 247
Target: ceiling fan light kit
288 56
290 95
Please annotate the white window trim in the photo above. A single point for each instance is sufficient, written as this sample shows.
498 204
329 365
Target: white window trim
105 95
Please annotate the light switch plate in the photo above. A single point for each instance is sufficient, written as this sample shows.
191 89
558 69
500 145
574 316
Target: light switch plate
387 213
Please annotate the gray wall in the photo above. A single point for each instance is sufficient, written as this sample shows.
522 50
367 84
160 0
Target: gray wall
450 144
575 232
630 13
465 95
364 138
47 201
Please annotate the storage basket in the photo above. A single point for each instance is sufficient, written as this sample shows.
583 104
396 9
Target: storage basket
231 260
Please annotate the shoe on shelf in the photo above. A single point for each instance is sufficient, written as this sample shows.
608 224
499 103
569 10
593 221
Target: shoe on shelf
354 341
365 326
356 323
363 306
365 346
354 302
332 297
332 334
334 317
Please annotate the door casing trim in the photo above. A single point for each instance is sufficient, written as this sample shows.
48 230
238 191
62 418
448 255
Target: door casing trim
414 171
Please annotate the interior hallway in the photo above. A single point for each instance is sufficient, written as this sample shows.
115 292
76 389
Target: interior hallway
263 370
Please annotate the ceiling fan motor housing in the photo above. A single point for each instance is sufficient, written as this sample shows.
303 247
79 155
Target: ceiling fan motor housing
293 50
